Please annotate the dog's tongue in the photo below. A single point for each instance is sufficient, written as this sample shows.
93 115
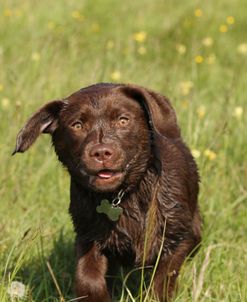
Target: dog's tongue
105 174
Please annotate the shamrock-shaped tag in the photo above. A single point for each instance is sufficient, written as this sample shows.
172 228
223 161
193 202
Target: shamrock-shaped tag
112 212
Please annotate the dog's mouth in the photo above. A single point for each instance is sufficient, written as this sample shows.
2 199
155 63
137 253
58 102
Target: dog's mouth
106 180
106 174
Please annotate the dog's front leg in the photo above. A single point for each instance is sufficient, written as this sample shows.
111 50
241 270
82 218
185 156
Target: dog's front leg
168 270
90 283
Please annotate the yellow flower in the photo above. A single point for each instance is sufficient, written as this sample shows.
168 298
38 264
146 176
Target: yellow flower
199 59
185 87
187 23
140 37
95 27
1 87
185 104
196 153
211 59
181 49
208 41
5 103
242 48
51 25
223 28
77 15
7 12
230 20
198 12
201 111
115 75
211 155
35 56
238 112
18 103
142 50
110 44
18 12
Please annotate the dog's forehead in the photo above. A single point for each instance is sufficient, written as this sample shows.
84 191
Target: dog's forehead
101 100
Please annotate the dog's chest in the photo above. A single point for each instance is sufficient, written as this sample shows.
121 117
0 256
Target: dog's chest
126 239
123 239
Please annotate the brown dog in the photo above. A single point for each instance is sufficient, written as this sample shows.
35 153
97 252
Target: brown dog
134 183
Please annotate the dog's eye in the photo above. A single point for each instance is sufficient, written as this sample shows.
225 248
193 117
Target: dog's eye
77 125
123 120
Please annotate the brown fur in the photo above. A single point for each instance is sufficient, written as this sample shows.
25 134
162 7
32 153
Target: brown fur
131 134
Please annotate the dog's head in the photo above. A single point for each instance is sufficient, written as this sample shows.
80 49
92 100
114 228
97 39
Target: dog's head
105 134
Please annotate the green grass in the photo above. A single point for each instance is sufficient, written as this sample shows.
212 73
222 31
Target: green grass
46 53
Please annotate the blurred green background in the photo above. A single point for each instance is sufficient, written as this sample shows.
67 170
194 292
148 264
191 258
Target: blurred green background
193 52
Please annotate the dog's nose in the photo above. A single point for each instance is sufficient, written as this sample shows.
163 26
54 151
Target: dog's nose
101 152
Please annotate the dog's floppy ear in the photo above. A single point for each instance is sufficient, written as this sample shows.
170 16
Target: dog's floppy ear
162 117
43 121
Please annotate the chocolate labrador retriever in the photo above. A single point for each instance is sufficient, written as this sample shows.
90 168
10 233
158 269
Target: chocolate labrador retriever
134 183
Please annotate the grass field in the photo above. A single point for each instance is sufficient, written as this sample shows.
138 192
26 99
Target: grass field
196 54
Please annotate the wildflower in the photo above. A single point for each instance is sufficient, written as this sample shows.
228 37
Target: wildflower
5 103
211 155
142 50
230 20
95 27
17 290
18 13
35 56
115 75
242 48
110 44
185 87
238 112
198 12
196 153
51 25
185 104
18 104
140 37
77 15
211 59
199 59
7 12
223 28
181 49
187 23
201 111
208 41
1 87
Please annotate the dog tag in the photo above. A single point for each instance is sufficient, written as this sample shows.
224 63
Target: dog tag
112 212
